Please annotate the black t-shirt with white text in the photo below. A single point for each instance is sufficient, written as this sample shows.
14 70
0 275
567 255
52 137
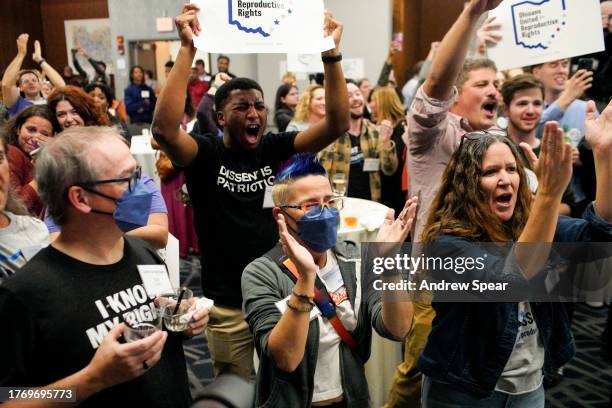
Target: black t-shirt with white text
56 311
359 180
227 189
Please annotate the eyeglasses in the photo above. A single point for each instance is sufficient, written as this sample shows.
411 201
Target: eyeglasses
311 208
478 134
132 180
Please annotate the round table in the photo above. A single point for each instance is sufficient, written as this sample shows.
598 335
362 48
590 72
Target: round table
367 216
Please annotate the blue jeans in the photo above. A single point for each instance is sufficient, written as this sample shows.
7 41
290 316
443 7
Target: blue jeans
437 395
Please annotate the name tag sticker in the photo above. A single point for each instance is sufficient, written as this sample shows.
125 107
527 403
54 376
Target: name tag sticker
333 280
371 165
267 201
155 279
145 94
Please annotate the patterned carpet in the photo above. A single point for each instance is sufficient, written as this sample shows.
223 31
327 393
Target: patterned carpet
587 382
588 378
199 364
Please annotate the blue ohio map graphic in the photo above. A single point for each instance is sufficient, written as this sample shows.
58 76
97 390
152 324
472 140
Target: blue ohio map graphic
283 10
514 23
231 21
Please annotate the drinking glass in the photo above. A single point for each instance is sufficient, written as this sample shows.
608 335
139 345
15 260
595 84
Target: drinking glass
339 184
177 319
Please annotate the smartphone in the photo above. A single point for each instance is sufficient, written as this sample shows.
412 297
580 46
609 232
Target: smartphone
587 63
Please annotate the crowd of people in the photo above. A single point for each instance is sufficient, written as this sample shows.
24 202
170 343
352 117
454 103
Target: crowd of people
461 153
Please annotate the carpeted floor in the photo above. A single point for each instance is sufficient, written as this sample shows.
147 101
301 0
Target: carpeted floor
587 382
588 378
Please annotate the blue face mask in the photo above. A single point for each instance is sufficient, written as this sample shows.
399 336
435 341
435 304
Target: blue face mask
132 208
319 233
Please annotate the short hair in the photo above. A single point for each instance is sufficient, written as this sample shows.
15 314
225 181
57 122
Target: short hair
225 57
472 65
27 71
519 83
224 91
65 161
352 81
198 62
81 102
10 131
298 166
170 64
108 93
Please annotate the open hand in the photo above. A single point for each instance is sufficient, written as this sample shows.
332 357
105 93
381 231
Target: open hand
37 55
394 232
488 34
298 254
554 167
188 25
598 131
22 44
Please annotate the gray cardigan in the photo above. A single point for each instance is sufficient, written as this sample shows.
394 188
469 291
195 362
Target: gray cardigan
263 284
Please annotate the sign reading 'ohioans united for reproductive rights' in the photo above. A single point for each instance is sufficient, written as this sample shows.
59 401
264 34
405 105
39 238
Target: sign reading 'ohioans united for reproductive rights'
537 31
262 26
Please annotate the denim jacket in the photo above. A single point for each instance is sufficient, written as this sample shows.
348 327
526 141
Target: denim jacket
470 343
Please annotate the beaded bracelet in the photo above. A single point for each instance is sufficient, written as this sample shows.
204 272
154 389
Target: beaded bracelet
303 298
307 309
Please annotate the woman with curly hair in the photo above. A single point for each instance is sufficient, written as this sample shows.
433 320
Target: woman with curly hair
25 134
493 354
73 107
310 109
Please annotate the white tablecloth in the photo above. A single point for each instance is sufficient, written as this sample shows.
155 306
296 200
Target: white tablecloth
370 216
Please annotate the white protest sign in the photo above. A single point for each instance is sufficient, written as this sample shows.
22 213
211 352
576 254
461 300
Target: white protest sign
311 63
261 26
534 32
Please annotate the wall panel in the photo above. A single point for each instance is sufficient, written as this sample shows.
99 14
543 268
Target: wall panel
54 12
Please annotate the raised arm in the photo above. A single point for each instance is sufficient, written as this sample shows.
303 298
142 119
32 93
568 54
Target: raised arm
54 77
336 120
554 169
599 135
10 91
77 64
453 49
175 142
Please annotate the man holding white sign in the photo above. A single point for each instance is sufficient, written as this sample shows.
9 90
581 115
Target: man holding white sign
229 179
